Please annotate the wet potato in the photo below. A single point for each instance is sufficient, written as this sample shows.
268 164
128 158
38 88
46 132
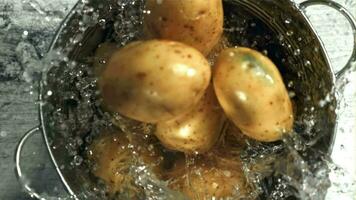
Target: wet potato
198 23
210 177
112 154
155 80
196 131
251 91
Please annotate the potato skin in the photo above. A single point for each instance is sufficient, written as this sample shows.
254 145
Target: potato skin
112 160
198 23
112 155
155 80
211 177
251 91
196 131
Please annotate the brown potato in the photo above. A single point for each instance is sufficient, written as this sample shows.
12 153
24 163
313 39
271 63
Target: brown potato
215 176
113 155
251 91
198 23
196 131
155 80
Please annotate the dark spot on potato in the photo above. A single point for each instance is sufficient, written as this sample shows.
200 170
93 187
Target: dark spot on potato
271 103
189 56
177 51
141 75
202 12
191 28
161 68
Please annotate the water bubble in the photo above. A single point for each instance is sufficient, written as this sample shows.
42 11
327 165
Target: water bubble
24 34
296 52
102 22
280 37
77 160
289 33
146 12
288 20
291 94
3 133
290 84
307 63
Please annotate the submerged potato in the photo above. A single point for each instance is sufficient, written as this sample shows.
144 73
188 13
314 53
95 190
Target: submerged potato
102 56
198 23
154 81
213 177
196 131
112 155
251 91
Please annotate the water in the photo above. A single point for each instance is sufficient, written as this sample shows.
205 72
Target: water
287 169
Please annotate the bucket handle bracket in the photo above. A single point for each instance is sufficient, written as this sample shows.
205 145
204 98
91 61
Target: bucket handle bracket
341 9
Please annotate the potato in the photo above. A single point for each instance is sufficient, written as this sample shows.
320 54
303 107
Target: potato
198 23
155 80
102 56
251 91
113 155
196 131
211 177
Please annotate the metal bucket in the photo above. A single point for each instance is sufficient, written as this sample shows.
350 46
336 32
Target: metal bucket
277 27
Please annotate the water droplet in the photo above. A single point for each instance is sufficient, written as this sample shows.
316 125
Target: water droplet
288 20
289 33
307 63
290 84
3 133
146 12
280 37
297 52
25 34
102 22
77 160
291 94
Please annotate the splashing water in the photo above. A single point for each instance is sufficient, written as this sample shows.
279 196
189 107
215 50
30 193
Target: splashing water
277 171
